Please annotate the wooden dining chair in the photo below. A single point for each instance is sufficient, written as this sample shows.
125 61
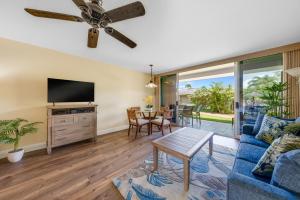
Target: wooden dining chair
161 122
137 122
168 113
136 108
138 111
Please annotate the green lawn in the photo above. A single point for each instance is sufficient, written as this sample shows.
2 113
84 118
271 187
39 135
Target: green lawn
215 118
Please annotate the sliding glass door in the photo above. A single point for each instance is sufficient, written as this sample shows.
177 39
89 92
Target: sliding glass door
252 76
168 93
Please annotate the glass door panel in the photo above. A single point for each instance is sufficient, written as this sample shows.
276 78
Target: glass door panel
168 93
253 75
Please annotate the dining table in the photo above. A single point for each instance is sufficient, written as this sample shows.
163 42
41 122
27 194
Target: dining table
149 114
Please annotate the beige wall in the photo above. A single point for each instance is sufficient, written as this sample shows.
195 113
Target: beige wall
23 86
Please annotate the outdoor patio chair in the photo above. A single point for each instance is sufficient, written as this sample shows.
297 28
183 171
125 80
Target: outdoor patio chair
187 112
198 109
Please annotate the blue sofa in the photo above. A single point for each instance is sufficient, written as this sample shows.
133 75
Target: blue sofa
243 185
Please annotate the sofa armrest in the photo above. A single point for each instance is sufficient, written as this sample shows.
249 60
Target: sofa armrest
248 129
243 187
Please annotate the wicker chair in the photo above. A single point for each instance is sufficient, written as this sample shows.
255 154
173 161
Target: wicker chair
133 120
168 113
161 122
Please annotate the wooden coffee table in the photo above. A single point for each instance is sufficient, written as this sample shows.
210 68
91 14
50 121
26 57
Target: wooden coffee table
184 144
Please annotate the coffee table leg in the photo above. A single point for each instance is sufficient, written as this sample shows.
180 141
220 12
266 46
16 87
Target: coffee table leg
186 176
211 144
155 158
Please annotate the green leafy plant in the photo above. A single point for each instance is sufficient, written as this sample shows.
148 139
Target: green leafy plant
216 98
293 129
11 131
201 97
256 86
188 86
274 100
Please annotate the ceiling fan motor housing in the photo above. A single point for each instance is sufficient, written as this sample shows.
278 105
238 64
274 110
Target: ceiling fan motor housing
94 15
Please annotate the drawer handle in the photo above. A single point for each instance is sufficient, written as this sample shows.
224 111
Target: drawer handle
62 129
86 126
63 120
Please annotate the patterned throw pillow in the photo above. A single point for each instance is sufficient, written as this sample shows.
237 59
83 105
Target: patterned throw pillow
281 145
271 129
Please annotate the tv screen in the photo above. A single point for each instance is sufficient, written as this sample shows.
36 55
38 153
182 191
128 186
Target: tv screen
70 91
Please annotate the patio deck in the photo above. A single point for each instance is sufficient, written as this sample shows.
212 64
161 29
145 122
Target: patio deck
219 128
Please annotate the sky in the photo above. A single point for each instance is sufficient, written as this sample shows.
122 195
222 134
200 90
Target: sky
229 80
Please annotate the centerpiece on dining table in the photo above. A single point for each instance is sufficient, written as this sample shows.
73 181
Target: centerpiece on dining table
149 103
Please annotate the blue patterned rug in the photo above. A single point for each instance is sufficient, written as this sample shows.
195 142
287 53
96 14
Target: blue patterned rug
207 179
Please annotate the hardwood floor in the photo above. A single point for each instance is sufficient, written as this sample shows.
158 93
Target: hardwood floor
79 171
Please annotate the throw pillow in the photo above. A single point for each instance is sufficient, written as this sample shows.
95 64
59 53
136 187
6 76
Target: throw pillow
258 123
293 129
282 176
266 164
271 129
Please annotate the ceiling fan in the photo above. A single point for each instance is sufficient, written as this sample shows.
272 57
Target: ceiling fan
93 13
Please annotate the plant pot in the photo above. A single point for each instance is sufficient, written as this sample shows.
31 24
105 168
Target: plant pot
15 156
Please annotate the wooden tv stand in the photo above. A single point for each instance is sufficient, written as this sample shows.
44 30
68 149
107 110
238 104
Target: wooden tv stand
70 123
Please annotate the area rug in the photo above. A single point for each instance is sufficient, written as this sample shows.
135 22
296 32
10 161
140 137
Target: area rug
208 177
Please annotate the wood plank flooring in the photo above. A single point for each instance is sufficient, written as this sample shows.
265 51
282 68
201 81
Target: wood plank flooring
79 171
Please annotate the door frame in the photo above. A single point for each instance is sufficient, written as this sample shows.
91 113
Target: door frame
159 96
237 99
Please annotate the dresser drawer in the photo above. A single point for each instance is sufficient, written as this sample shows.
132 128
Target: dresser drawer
85 119
62 120
68 135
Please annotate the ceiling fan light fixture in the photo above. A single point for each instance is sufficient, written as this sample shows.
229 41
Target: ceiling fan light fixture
151 84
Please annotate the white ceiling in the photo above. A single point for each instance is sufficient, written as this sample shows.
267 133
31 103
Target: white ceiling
173 33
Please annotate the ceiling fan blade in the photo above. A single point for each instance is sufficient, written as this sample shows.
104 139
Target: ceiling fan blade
81 4
132 10
119 36
53 15
93 37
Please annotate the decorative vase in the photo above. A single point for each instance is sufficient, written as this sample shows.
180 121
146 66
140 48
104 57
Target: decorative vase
15 156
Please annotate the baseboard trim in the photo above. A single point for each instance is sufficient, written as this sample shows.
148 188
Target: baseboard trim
111 130
28 148
39 146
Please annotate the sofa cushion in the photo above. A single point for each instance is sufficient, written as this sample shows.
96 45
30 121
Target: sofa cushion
258 123
281 145
282 176
251 140
271 129
247 129
244 167
250 152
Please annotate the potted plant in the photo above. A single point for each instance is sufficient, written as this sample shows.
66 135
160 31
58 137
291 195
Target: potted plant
11 132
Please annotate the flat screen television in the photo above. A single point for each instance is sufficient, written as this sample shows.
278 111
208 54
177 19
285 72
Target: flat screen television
70 91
